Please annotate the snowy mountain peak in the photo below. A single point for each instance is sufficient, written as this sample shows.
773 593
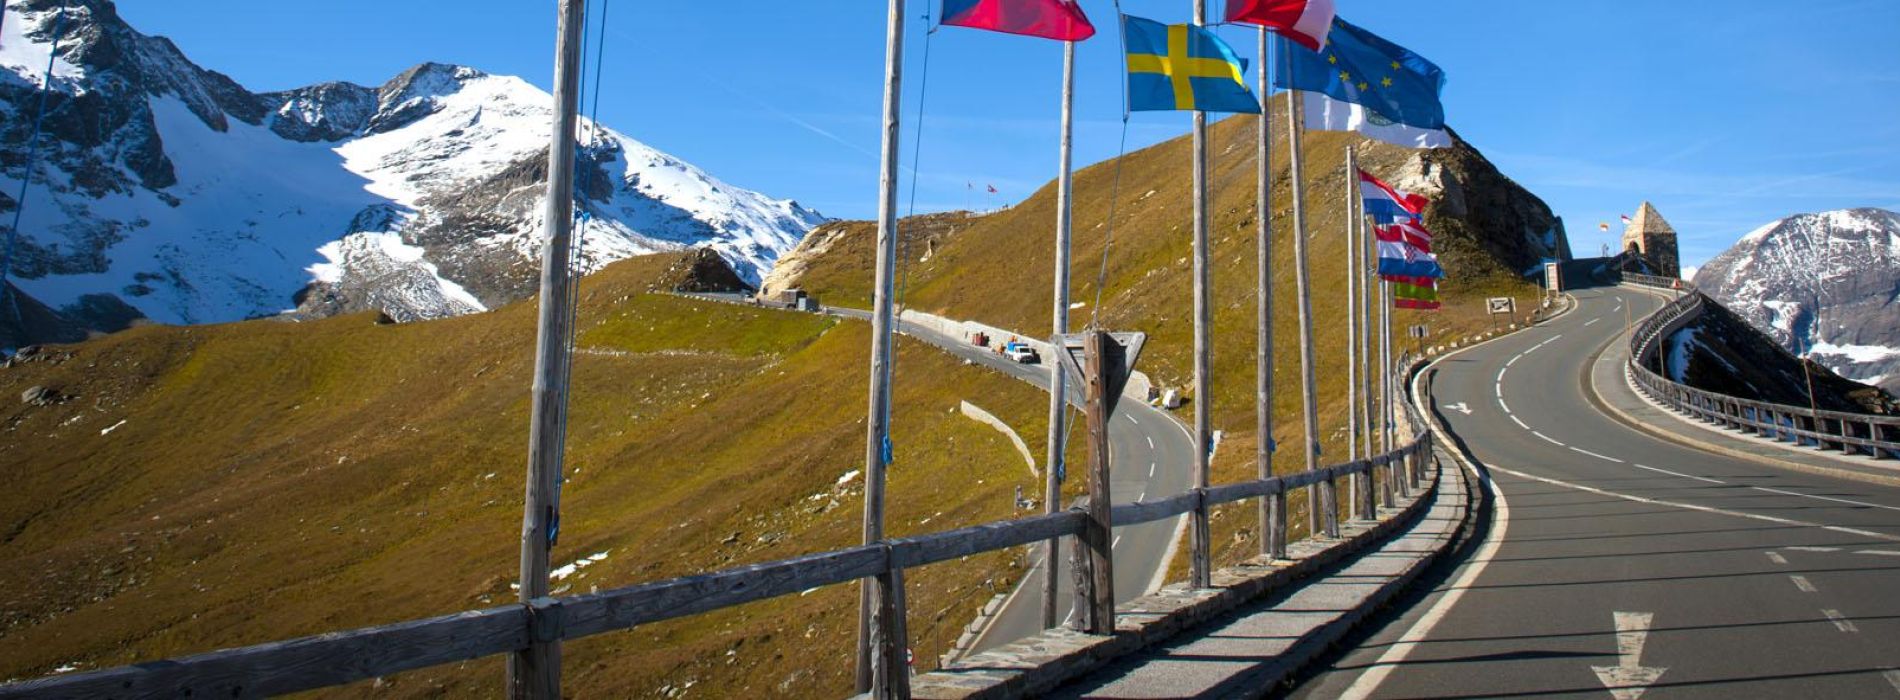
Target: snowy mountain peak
1825 285
175 190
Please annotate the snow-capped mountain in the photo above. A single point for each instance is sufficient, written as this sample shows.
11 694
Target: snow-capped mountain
1823 285
171 189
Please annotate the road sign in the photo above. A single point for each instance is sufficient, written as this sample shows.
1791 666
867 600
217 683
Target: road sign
1118 359
1502 305
1553 278
1421 331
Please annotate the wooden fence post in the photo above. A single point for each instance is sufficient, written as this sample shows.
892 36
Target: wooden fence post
1094 569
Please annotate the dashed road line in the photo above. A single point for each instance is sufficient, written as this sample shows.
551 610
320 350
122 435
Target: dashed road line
1580 450
1498 388
1777 558
1680 474
1505 406
1879 552
1151 441
1862 504
1519 423
1151 469
1591 321
1131 419
1870 534
1547 439
1893 678
1804 548
1802 583
1840 621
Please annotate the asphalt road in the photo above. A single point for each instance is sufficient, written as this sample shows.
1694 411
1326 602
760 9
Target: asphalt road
1618 560
1151 457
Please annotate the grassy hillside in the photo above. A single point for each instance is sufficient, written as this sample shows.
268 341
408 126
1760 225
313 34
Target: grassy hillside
997 268
201 487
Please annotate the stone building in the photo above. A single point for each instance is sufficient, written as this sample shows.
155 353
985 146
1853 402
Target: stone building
1650 238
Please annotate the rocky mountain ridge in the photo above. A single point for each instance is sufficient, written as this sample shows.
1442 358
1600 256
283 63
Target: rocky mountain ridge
1823 285
168 191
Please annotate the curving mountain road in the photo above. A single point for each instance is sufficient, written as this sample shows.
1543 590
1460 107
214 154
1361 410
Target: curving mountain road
1617 560
1150 457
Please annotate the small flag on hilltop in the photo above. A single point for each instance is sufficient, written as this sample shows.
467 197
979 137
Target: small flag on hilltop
1626 219
1368 85
1414 293
1183 67
1061 20
992 188
1304 21
1603 227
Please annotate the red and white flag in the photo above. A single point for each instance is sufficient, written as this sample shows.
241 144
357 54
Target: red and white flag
992 189
1626 219
1306 22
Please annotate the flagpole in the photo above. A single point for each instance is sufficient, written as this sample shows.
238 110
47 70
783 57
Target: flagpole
1353 354
1272 510
1200 576
1368 414
880 661
535 670
1058 392
1309 395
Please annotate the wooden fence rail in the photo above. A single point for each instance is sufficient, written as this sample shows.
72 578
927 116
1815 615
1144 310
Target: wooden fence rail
1779 422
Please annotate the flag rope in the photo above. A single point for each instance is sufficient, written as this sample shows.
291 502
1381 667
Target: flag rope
26 176
1114 189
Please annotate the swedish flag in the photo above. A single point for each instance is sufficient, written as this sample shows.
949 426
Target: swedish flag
1183 67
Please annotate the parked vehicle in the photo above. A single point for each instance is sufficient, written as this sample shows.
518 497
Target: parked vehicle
1021 352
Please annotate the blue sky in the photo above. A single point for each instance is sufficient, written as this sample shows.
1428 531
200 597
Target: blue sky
1727 114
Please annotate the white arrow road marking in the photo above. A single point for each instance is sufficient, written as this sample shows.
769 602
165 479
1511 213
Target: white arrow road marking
1841 622
1459 407
1777 558
1629 679
1802 583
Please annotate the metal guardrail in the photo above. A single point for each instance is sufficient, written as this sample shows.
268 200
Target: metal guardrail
1873 435
338 658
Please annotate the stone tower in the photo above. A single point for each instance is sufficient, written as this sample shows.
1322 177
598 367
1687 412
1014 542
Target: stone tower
1650 237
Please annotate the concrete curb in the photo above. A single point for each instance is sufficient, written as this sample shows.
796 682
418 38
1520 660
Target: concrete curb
1041 663
1595 395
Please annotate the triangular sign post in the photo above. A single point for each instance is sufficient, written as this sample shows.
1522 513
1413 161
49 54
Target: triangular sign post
1118 361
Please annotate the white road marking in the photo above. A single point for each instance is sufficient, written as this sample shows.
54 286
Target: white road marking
1151 469
1131 419
1519 423
1367 682
1513 360
1594 320
1116 543
1503 405
1685 476
1151 442
1629 678
1547 439
1500 376
1803 548
1893 678
1824 498
1459 407
1802 583
1598 456
1777 558
1498 388
1840 621
1705 509
1879 552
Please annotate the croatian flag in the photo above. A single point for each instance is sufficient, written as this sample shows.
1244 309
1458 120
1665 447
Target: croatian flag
1388 204
1061 20
1306 22
1399 259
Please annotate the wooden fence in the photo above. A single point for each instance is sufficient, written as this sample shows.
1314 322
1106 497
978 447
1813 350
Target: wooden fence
1873 435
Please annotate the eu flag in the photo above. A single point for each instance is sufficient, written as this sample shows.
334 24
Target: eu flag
1183 67
1359 67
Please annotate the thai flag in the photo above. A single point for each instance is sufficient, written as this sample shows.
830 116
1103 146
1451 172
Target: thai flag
1061 20
1306 22
1388 204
